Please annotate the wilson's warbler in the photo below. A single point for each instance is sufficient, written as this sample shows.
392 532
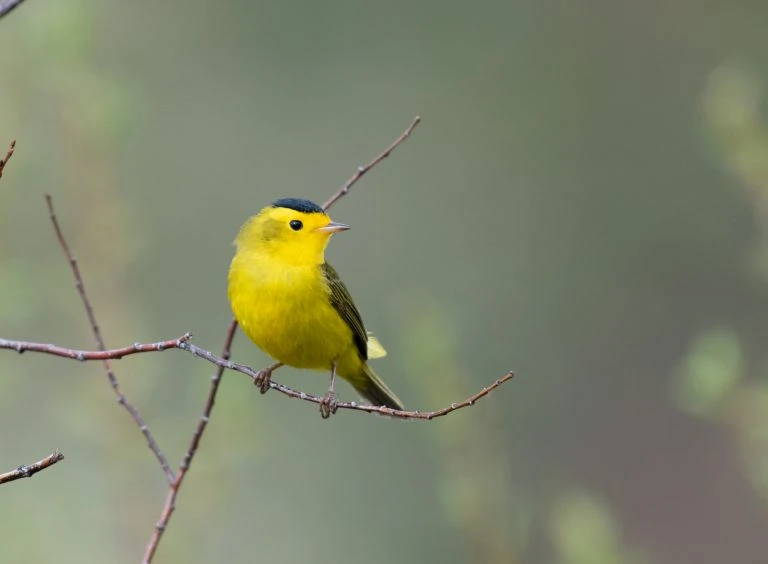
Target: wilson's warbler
294 306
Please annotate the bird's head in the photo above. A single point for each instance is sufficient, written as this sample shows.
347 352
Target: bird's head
291 230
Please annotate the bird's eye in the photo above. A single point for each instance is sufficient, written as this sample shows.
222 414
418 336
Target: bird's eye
296 225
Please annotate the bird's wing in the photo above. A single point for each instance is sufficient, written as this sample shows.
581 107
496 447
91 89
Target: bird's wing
342 303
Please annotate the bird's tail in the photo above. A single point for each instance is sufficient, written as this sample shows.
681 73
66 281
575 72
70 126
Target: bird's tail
372 388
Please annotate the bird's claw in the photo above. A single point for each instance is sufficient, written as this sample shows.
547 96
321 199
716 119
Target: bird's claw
328 405
262 380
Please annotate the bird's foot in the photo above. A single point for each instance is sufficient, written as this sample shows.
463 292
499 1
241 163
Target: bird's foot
328 405
262 379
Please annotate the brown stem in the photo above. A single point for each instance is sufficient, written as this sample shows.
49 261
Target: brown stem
23 346
8 155
121 399
32 469
173 489
344 190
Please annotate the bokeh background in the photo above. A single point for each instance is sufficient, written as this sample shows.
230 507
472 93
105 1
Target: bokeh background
586 202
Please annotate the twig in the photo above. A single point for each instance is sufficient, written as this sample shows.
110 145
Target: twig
8 156
223 362
290 392
121 399
32 469
7 5
341 192
173 490
112 354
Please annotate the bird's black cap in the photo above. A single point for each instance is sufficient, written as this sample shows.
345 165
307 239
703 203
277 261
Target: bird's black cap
298 204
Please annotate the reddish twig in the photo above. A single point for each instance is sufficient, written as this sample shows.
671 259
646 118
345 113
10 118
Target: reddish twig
7 5
8 155
341 192
173 490
111 354
32 469
121 399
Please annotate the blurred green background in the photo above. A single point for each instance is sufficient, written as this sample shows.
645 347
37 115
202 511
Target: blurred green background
586 202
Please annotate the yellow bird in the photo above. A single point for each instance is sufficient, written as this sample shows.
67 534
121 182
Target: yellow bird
293 305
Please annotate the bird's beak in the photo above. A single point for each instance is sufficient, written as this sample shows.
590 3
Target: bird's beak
332 227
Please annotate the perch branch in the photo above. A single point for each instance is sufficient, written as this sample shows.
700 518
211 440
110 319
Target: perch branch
8 156
7 5
32 469
341 192
121 399
223 362
291 393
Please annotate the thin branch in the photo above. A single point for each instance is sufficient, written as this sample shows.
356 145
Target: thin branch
32 469
121 399
173 490
341 192
8 155
381 410
6 6
112 354
223 362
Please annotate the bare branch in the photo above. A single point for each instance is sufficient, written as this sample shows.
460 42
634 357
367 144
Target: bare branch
290 392
32 469
173 490
121 399
223 362
8 156
113 354
6 6
341 192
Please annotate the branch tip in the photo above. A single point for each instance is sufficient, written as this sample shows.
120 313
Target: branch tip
9 153
32 469
362 170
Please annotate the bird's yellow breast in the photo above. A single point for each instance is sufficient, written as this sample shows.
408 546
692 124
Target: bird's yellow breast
286 311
